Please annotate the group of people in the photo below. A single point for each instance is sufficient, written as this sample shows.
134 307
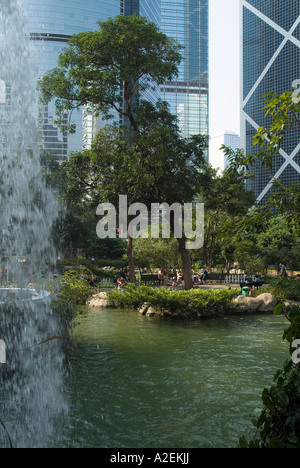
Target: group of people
202 277
179 278
121 279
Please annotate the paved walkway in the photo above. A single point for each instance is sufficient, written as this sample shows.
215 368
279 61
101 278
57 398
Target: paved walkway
217 286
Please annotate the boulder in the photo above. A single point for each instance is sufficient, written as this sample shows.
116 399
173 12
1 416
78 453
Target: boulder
99 300
269 302
250 304
144 307
153 311
263 303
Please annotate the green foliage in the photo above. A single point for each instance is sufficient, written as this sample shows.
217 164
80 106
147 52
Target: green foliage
152 162
279 422
75 287
284 112
226 201
260 240
156 253
285 289
126 53
191 301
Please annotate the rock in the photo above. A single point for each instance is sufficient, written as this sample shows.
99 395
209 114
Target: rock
154 311
248 303
144 307
269 302
263 303
99 300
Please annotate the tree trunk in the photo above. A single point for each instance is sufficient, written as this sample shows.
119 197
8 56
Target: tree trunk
186 263
132 277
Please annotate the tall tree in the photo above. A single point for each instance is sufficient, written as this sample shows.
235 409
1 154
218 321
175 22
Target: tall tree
130 54
127 54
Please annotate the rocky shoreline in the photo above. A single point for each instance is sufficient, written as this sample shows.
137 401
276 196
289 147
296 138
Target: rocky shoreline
264 303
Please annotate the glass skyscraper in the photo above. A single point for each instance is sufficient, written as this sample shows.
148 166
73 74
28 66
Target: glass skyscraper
270 61
52 22
187 22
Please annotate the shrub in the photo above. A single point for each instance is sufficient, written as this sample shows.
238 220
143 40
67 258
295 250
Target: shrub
73 288
285 288
194 301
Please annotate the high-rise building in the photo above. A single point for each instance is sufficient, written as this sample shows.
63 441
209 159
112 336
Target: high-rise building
217 157
187 22
270 61
52 22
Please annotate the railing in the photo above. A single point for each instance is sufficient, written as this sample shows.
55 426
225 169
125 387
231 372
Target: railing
235 279
238 278
107 283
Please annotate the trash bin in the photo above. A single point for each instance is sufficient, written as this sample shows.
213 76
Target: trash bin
245 291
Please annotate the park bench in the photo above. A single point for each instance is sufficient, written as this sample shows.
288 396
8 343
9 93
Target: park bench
150 279
256 284
220 277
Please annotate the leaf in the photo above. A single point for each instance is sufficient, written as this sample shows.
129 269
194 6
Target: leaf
278 309
260 421
282 398
267 400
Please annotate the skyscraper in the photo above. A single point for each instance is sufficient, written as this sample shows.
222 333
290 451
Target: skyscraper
270 61
187 22
217 157
52 22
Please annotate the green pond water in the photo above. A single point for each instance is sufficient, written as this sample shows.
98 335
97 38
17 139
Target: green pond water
138 382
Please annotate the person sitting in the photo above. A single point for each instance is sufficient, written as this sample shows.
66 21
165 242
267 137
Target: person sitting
121 282
204 276
196 279
174 283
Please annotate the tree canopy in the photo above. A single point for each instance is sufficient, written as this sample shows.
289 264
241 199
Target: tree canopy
128 53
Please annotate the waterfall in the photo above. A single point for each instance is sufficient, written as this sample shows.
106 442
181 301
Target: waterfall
32 381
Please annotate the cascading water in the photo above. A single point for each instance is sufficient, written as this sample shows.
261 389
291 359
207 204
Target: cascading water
31 383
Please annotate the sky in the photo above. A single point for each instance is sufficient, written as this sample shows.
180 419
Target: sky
224 70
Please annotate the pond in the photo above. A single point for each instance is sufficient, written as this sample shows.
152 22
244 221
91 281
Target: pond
140 382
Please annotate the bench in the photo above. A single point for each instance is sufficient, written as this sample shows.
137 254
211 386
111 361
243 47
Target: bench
216 277
256 284
150 279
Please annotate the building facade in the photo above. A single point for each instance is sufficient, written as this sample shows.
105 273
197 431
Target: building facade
187 22
52 22
217 157
270 60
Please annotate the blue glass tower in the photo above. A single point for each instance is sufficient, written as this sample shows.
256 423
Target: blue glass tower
187 22
270 61
52 22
